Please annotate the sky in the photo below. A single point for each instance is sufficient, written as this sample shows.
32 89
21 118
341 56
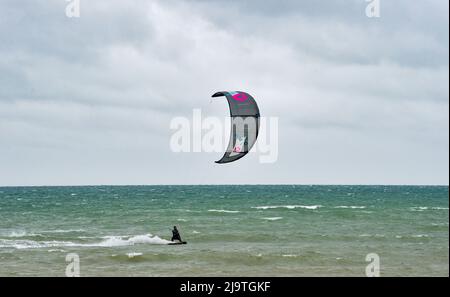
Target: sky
89 100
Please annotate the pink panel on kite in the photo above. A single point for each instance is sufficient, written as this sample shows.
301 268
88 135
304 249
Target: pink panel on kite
240 97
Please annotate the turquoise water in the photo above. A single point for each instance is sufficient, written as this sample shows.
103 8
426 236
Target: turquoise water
231 230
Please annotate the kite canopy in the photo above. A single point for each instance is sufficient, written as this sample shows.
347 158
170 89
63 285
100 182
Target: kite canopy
244 114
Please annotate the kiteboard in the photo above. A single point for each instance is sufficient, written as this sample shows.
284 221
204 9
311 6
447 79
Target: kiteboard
177 242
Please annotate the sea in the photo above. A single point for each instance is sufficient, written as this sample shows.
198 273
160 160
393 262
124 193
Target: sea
230 230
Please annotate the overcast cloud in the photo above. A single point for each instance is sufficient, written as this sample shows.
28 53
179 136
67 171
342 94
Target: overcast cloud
89 100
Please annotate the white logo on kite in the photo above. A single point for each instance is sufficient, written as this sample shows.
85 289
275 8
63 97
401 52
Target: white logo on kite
240 142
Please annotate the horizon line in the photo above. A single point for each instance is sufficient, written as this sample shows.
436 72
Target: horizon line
153 185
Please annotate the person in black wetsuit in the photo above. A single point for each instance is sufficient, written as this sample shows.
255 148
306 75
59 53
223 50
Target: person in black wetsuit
175 234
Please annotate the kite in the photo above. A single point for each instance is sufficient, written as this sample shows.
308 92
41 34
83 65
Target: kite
244 114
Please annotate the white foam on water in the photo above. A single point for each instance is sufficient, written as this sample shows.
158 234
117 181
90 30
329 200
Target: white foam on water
196 232
412 236
112 241
350 206
132 255
182 220
418 208
422 208
31 244
372 235
288 206
63 231
109 241
272 218
223 210
17 234
290 256
439 224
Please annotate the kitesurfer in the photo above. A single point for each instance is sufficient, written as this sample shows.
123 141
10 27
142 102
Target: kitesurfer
175 234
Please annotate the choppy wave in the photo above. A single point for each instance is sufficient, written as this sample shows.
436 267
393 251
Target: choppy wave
63 231
109 241
273 218
22 233
372 235
138 239
133 255
223 210
288 206
350 206
422 208
439 224
17 233
406 236
31 244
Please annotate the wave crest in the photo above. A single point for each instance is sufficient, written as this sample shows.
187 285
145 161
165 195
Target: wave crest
109 241
223 210
312 207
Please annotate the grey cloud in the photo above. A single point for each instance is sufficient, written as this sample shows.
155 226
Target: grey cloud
100 91
43 28
408 33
